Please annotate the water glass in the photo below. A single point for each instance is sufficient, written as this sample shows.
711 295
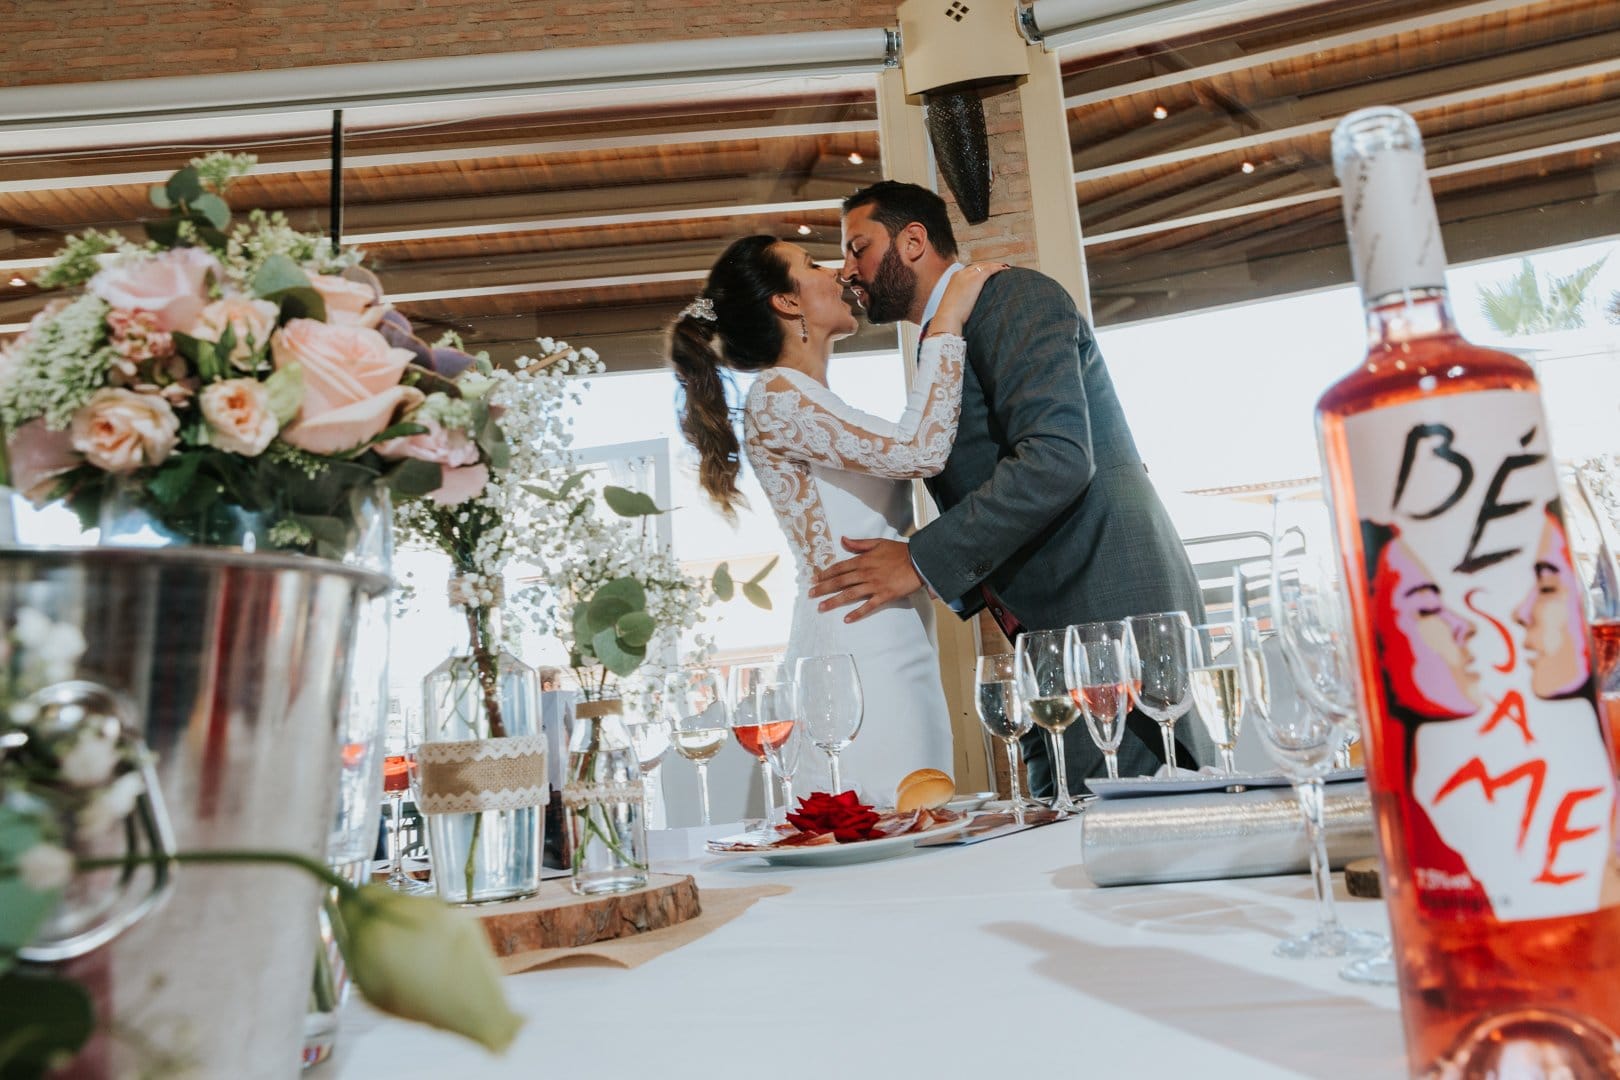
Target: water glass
827 700
1096 668
1164 691
995 697
695 706
1043 691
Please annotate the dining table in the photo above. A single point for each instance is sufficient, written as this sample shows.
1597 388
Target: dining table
990 960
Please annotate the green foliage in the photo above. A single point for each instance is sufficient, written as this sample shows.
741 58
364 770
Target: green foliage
613 626
283 282
77 262
722 584
1523 304
47 1020
627 503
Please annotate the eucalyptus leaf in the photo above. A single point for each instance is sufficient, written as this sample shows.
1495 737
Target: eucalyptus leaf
759 577
284 282
627 503
605 612
165 233
158 197
636 629
724 588
213 209
184 186
756 595
47 1020
582 632
175 478
615 655
412 477
22 910
627 589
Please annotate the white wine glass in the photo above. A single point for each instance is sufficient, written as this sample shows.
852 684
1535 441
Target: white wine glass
699 721
1164 658
1097 670
995 697
750 732
1043 691
1308 608
784 748
828 702
1219 687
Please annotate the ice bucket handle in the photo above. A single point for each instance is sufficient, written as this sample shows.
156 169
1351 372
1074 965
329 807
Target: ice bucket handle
79 703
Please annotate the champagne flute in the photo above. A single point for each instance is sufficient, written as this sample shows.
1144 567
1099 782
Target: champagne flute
746 726
827 700
773 705
1096 667
1164 653
1219 686
699 721
996 699
1044 693
1308 609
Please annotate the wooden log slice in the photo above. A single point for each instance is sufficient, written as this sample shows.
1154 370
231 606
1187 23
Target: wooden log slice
1361 878
558 919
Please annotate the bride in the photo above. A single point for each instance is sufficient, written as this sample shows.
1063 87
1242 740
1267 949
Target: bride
830 471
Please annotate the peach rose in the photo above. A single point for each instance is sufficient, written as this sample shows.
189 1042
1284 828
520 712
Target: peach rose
348 303
120 431
172 285
251 321
459 485
239 416
446 446
351 383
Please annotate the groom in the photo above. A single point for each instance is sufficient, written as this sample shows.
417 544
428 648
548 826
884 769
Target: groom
1047 515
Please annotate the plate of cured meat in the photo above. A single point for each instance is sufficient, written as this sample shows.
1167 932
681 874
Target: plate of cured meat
829 834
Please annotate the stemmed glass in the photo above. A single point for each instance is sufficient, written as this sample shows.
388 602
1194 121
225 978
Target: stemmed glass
699 720
996 699
750 730
1164 656
773 705
650 738
1097 670
1043 690
399 770
1307 606
1219 686
827 700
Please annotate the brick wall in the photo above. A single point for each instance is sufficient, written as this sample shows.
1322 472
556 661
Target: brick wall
51 41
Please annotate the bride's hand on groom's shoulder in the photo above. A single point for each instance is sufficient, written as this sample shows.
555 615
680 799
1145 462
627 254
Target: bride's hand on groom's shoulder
960 296
880 572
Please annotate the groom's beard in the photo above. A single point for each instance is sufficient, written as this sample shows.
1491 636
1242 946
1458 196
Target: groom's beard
890 293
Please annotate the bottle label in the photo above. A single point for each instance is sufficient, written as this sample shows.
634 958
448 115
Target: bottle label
1394 232
1489 734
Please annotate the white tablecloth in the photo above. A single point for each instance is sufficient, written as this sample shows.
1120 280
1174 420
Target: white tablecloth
995 960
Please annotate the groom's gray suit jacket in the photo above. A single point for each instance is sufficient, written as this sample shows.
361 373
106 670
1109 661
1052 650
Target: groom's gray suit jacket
1045 499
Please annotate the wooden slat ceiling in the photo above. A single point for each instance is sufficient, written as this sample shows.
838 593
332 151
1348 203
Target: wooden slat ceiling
1230 195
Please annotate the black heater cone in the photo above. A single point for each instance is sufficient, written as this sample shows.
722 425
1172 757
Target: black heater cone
955 121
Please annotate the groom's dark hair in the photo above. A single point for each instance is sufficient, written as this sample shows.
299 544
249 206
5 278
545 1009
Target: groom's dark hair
897 204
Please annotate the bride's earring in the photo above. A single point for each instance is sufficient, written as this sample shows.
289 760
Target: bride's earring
804 329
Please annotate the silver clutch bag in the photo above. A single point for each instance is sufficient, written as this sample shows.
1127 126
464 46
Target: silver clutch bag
1219 834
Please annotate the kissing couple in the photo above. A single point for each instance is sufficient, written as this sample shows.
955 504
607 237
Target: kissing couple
1047 516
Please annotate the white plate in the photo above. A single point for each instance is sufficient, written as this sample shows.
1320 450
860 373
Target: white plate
841 854
963 804
1128 786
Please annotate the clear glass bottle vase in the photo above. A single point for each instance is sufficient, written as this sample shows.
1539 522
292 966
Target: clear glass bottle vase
604 803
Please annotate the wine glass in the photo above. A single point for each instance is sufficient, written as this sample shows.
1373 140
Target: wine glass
827 700
1164 655
1096 668
1219 686
784 739
399 771
649 731
746 726
996 699
1307 606
1043 691
699 719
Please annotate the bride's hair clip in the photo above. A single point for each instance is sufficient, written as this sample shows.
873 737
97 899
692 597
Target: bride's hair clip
701 308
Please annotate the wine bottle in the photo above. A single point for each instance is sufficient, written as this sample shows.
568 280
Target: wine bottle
1486 757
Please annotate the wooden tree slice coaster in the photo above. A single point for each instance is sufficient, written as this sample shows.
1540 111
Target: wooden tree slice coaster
558 919
1361 878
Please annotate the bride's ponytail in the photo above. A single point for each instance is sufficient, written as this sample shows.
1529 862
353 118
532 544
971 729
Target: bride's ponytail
729 326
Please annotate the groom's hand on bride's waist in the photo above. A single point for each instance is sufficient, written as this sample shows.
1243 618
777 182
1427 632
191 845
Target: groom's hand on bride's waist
880 572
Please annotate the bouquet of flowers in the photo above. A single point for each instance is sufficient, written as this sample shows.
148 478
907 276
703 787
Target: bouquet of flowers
239 384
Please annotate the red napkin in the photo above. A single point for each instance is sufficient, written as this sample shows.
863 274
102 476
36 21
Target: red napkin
843 815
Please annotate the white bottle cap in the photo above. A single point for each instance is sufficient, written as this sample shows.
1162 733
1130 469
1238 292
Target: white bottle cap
1388 209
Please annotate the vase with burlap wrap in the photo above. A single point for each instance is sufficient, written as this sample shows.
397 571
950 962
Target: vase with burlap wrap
482 763
604 803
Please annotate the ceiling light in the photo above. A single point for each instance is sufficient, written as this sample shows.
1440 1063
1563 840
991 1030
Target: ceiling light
1247 166
856 159
804 230
18 282
1160 112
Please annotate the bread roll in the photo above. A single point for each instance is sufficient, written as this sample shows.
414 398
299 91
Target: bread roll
924 789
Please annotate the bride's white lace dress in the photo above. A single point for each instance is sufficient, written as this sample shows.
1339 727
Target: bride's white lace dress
831 471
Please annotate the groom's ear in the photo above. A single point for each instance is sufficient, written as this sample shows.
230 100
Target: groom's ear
913 241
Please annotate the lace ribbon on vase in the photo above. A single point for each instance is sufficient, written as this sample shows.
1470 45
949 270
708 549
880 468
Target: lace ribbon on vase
575 796
482 774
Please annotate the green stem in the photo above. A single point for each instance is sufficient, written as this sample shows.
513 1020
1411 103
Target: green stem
318 870
483 656
472 851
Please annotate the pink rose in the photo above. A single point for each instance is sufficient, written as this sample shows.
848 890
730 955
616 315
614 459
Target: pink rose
459 485
348 303
38 456
136 338
240 420
172 285
120 431
251 321
351 383
445 446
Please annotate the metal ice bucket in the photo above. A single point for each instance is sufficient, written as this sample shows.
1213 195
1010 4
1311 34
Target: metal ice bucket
232 668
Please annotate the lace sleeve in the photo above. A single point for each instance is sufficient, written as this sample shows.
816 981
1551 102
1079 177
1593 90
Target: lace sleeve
796 418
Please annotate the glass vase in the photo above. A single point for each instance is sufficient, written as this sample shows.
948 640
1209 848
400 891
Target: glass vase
604 803
482 772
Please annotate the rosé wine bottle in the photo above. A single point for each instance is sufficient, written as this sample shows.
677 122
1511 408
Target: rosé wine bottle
1490 774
